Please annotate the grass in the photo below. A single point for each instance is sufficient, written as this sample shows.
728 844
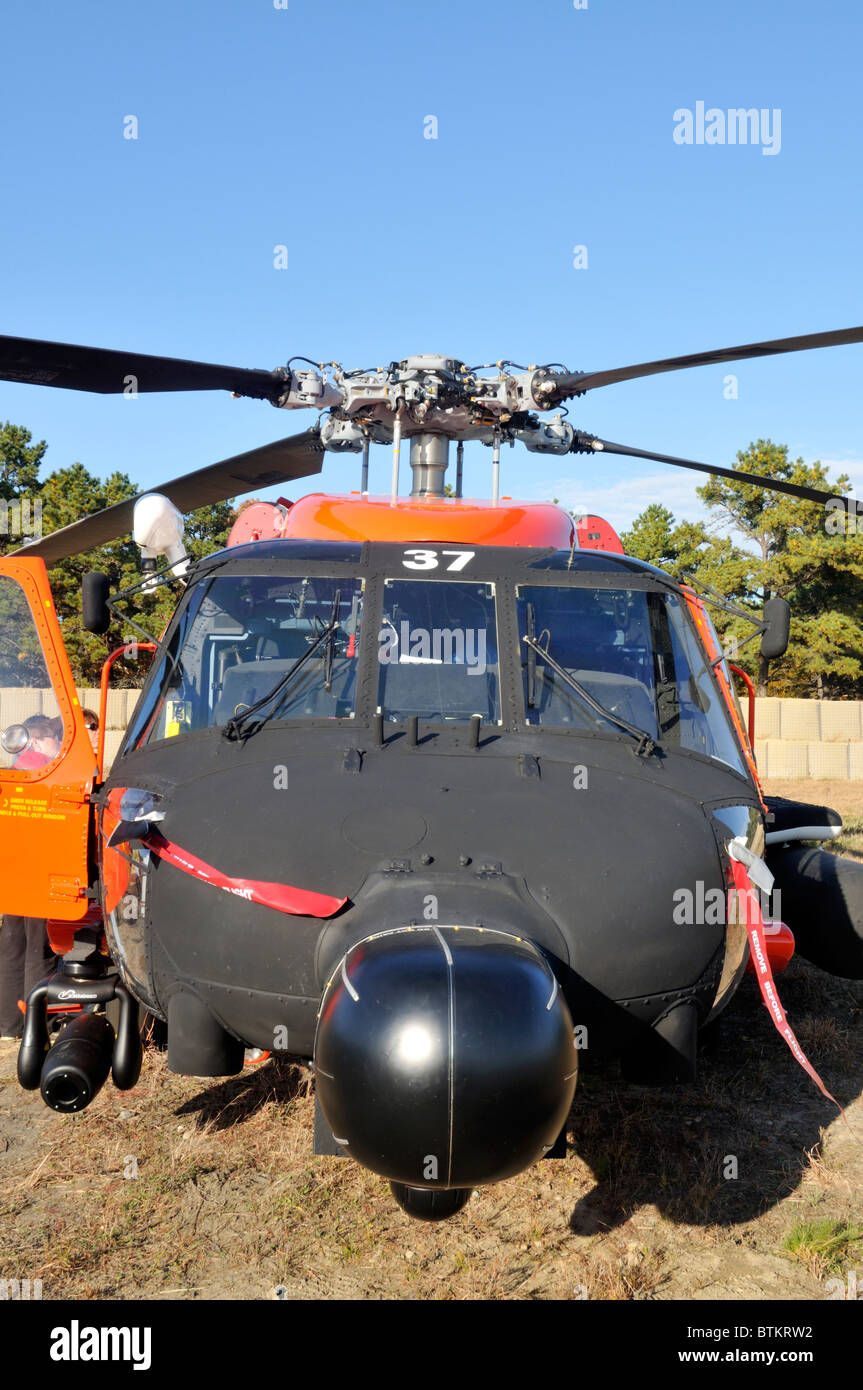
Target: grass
822 1245
850 842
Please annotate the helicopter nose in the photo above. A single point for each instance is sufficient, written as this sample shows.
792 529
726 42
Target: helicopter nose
445 1056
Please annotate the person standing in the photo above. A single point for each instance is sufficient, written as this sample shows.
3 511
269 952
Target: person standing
25 959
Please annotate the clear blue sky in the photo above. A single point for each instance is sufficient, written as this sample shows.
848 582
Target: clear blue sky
304 126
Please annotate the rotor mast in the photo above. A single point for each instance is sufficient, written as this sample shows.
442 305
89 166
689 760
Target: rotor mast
429 460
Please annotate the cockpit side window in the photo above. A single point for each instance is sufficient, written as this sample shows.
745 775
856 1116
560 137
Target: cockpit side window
703 723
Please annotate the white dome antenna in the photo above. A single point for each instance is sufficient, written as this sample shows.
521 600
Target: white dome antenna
157 530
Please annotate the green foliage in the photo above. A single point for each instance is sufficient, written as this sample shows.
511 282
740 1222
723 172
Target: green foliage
795 557
208 528
19 484
786 551
826 1242
685 548
19 462
66 496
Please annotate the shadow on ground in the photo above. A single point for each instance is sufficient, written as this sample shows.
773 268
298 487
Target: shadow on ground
724 1149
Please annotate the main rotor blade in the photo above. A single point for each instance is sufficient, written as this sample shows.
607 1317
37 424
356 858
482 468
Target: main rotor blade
298 456
574 383
108 372
588 443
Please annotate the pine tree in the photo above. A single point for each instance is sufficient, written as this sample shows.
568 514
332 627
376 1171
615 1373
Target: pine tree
20 461
797 558
788 551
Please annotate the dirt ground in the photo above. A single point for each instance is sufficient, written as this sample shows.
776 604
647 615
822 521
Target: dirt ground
745 1185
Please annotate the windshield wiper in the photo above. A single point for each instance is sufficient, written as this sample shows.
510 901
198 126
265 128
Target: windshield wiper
235 727
646 744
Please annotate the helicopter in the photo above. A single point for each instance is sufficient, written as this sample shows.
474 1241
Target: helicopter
414 783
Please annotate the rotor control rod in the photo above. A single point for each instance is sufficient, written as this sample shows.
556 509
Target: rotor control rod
495 469
397 447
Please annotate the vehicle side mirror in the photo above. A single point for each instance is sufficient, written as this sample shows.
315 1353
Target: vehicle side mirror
95 613
777 619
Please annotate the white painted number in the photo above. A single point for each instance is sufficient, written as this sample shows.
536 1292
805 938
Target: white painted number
464 558
423 560
428 559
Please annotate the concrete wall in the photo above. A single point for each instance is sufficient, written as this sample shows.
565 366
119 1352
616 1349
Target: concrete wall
809 738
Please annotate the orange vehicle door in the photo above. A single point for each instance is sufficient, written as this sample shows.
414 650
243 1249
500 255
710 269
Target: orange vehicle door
47 763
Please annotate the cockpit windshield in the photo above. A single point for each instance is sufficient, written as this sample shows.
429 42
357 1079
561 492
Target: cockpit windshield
241 639
635 653
588 656
437 651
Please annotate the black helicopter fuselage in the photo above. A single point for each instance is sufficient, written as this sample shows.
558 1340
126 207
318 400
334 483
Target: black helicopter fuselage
539 822
472 801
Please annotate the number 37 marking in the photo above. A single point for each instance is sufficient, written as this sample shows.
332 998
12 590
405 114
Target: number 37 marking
428 559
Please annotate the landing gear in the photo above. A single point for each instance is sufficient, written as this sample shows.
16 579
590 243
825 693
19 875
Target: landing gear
430 1203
